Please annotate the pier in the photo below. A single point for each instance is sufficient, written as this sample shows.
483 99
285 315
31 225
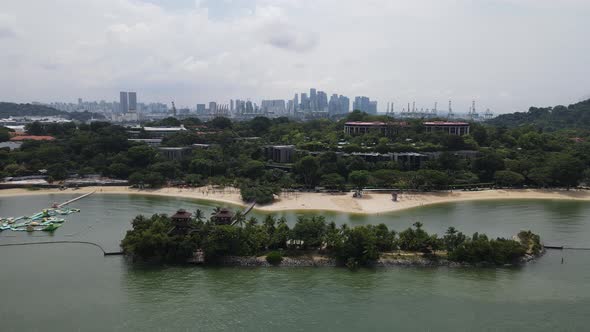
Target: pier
75 199
249 208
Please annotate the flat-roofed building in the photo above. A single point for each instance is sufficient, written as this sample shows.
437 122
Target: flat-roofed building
383 128
451 128
282 154
156 132
155 142
175 153
407 160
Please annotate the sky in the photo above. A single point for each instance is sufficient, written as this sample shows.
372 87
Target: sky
507 55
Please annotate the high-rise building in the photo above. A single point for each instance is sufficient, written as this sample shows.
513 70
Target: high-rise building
372 107
212 107
364 104
231 105
296 103
250 107
322 102
201 109
273 107
132 101
123 102
304 102
313 99
344 104
334 105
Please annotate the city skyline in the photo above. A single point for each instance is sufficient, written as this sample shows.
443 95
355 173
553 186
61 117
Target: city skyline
316 101
194 51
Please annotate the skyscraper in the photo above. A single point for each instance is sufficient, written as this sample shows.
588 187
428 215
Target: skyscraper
334 105
372 107
212 107
364 104
273 107
344 104
313 101
322 102
304 102
123 102
132 101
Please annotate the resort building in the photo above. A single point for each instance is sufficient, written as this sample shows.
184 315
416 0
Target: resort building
20 138
182 222
282 154
154 142
451 128
407 160
223 217
175 153
157 132
382 128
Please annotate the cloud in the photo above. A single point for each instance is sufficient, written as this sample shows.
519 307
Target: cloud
288 39
391 50
7 24
6 32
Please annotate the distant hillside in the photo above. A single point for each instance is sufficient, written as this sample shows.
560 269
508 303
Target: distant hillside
575 116
12 109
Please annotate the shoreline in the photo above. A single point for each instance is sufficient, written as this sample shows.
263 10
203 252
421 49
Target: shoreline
371 203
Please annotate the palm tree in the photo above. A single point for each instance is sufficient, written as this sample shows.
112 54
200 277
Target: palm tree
239 219
216 211
199 215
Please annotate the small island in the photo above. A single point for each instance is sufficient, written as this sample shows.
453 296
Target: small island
231 239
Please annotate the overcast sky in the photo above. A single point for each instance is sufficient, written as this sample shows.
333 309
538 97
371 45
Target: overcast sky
506 54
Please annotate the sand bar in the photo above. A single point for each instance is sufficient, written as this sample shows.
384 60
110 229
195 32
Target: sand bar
371 203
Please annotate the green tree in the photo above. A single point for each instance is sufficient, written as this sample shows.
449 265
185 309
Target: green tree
566 170
221 123
254 169
310 231
4 135
487 165
359 179
307 167
333 181
508 179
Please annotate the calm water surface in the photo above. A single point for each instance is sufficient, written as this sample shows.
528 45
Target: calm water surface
73 287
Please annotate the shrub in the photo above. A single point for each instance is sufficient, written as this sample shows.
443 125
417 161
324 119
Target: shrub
274 258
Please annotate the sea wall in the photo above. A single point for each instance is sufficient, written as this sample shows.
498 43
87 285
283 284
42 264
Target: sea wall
326 261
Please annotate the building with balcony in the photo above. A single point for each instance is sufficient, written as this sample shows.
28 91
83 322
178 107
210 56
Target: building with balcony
451 128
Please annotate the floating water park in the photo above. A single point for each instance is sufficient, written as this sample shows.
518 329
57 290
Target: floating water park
48 220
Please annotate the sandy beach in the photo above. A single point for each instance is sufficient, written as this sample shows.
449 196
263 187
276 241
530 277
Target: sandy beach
371 203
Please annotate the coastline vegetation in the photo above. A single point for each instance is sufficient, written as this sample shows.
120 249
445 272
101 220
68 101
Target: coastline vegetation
533 156
154 239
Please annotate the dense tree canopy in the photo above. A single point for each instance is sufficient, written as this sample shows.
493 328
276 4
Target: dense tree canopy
493 154
152 238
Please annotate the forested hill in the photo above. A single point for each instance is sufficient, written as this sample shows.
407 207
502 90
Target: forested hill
12 109
575 116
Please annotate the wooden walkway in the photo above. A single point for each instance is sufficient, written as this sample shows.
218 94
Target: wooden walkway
249 208
76 199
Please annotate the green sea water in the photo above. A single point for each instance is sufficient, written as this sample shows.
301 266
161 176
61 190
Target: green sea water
69 287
